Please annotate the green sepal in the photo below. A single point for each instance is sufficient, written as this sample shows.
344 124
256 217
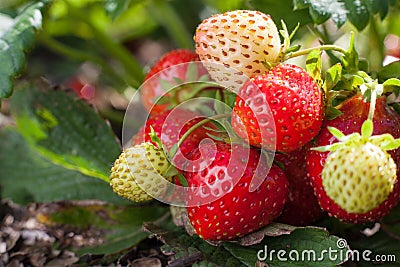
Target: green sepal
350 59
191 72
173 150
385 141
327 148
171 171
367 128
332 113
336 133
182 179
333 76
154 137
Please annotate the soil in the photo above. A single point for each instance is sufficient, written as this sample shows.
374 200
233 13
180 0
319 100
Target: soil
26 241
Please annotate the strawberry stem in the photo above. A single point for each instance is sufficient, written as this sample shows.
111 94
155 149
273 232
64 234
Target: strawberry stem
322 47
372 105
175 148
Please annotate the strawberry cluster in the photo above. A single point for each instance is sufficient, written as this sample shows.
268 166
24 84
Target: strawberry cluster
275 154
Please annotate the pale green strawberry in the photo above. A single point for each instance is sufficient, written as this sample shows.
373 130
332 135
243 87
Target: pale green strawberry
359 177
137 173
359 174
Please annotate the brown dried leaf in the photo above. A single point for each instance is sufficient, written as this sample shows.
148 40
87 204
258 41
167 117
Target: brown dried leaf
274 229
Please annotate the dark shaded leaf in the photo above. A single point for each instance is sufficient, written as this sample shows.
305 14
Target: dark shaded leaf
15 41
184 247
282 10
389 71
66 131
358 13
340 11
26 176
309 243
377 249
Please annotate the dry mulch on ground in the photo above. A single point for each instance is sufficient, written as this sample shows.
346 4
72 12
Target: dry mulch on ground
25 241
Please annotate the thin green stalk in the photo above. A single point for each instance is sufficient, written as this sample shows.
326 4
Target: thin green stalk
322 47
134 71
372 105
194 127
165 14
70 52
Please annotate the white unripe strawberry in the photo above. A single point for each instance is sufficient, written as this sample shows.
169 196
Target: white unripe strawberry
137 173
240 40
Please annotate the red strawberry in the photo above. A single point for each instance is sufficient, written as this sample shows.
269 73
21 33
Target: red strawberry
170 126
355 112
302 206
220 206
241 40
282 108
167 68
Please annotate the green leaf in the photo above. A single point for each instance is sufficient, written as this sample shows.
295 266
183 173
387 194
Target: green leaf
358 13
389 71
282 10
15 41
115 8
121 226
379 246
313 65
392 82
222 108
379 6
66 131
350 59
391 222
223 5
26 176
340 11
309 242
333 76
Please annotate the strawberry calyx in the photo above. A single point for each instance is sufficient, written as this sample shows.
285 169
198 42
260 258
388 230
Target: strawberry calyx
384 141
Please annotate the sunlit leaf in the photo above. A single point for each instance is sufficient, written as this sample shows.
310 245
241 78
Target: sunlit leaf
14 43
26 176
65 130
